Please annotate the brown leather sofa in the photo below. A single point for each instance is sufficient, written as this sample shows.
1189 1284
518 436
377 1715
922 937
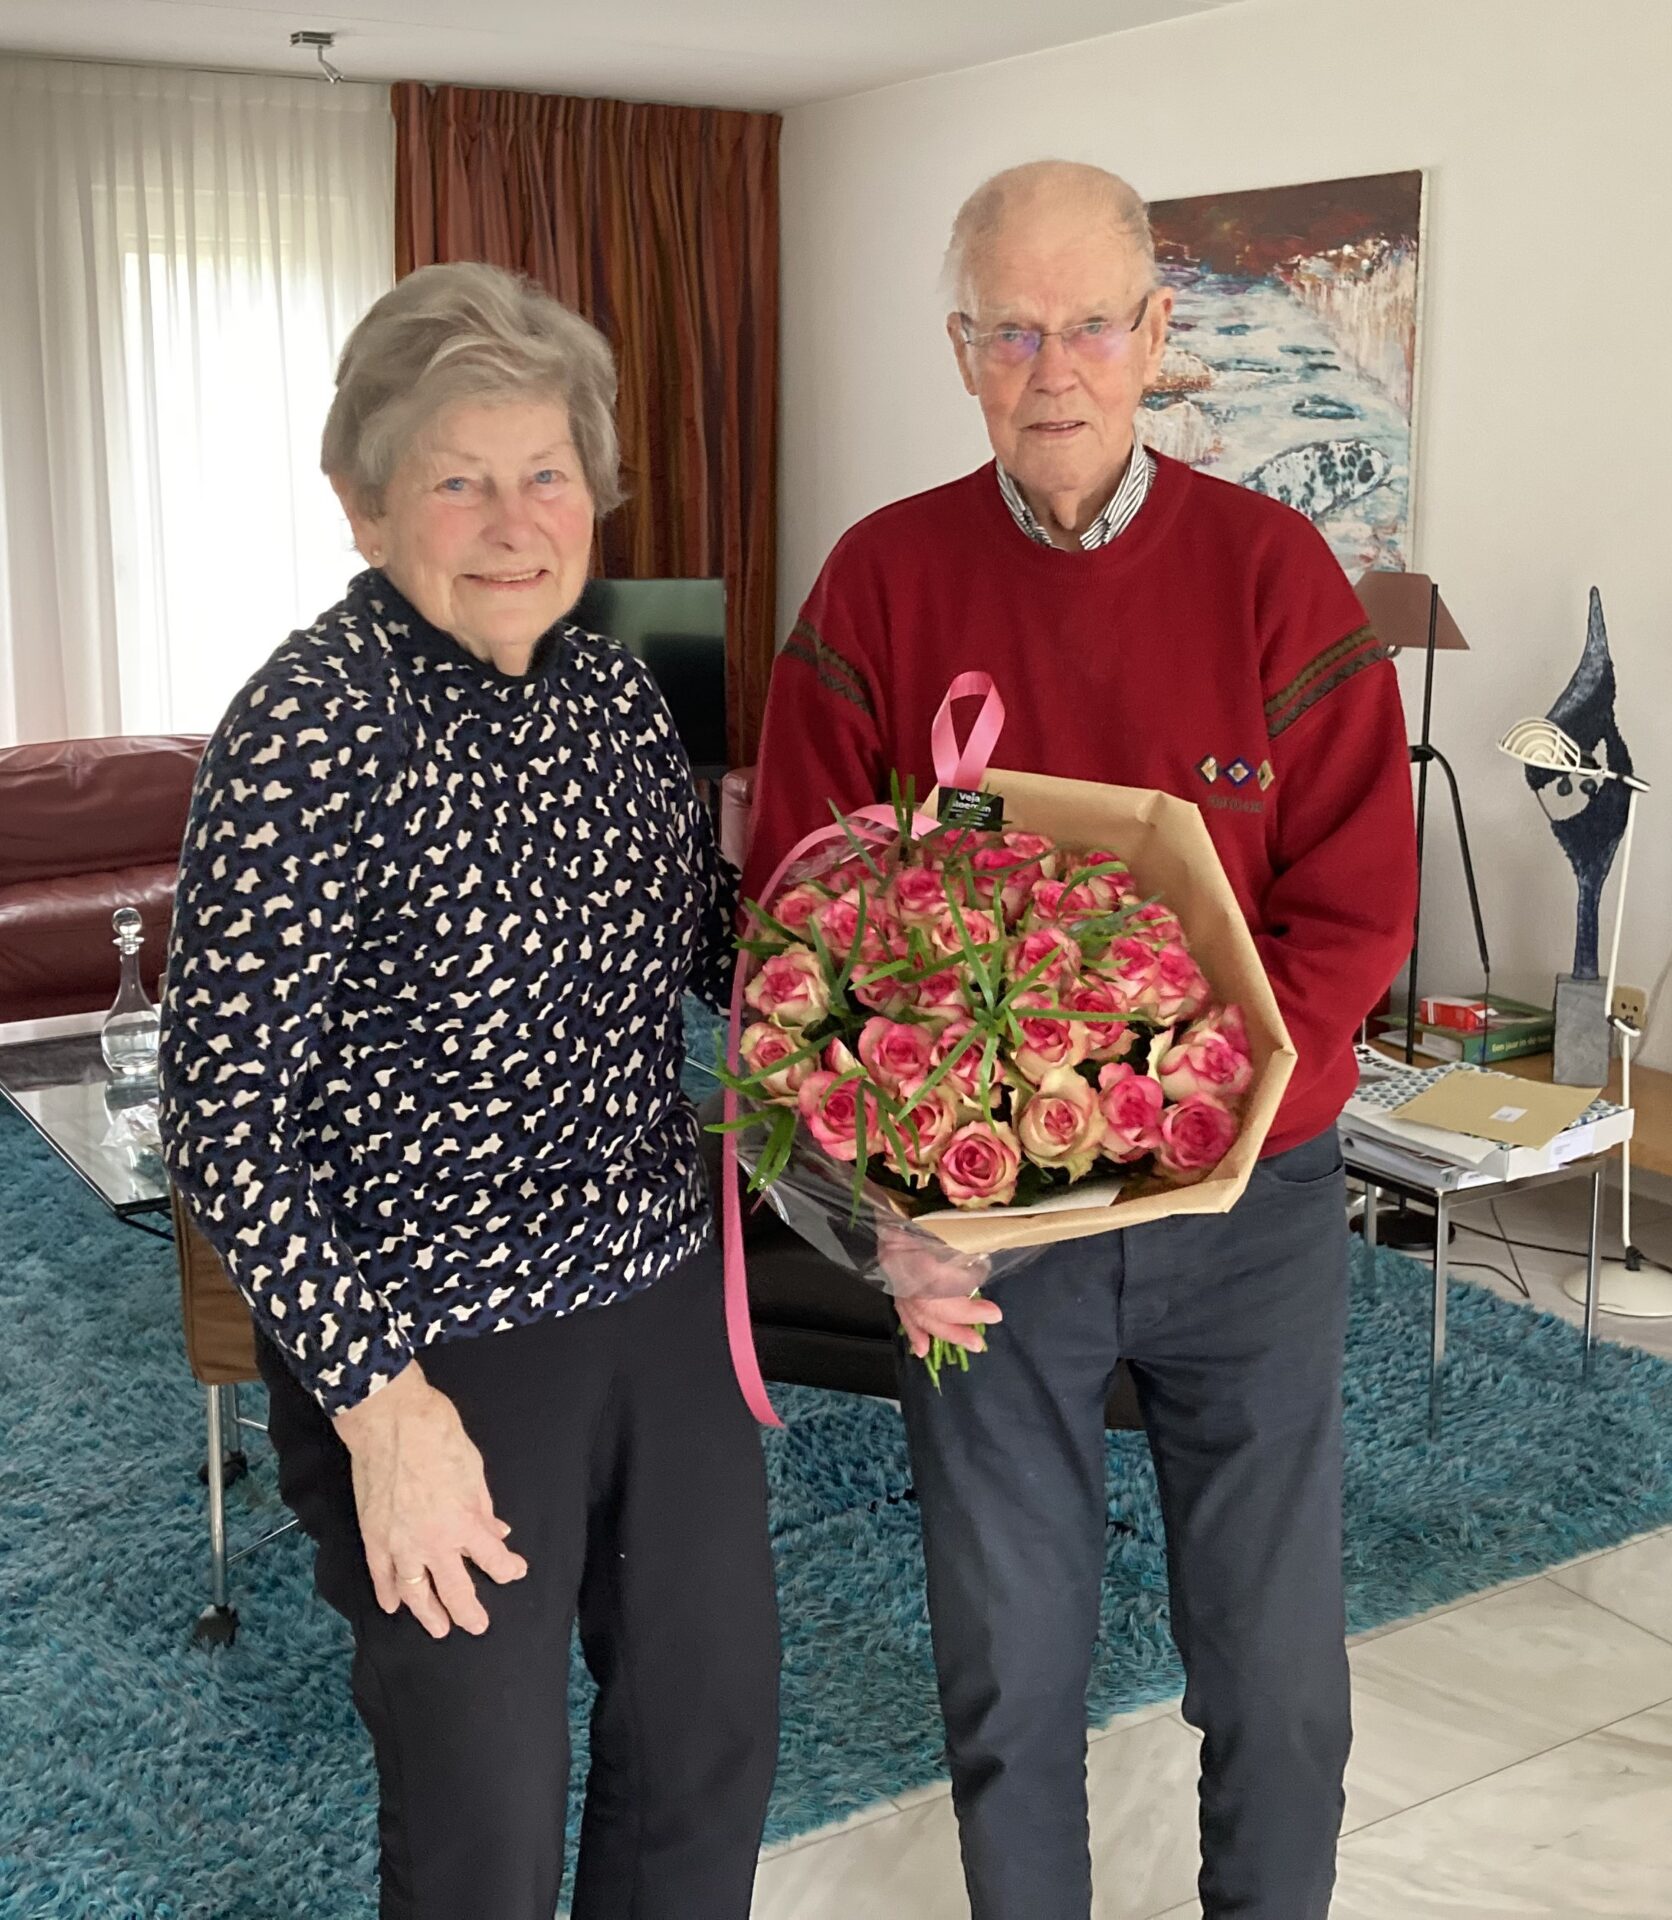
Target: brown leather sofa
86 826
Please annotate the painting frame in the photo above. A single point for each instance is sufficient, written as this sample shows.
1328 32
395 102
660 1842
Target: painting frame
1295 363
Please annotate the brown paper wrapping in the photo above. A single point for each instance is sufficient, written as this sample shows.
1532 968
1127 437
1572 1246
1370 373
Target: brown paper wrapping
1166 843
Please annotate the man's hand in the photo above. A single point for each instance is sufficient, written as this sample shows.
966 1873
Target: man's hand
932 1286
958 1322
424 1507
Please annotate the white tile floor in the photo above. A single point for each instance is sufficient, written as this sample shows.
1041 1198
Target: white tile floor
1513 1758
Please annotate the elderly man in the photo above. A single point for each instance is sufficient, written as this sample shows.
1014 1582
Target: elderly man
1149 626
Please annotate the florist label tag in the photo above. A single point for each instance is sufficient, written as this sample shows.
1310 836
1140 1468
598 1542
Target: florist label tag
970 807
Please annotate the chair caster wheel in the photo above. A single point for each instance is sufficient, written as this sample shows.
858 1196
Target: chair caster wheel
233 1469
216 1627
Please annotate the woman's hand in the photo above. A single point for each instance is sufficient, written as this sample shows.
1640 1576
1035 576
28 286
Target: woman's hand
424 1506
932 1289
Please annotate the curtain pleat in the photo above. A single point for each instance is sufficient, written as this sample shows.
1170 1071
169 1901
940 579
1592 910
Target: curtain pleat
660 225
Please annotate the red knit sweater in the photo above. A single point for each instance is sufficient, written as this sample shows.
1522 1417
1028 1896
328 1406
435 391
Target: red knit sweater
1214 650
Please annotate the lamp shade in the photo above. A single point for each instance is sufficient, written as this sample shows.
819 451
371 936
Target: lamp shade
1398 605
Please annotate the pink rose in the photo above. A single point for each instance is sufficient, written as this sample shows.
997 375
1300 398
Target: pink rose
982 928
790 989
882 993
1205 1060
832 1107
979 1164
839 1057
1120 876
967 840
1129 968
942 996
1132 1104
925 1126
1003 880
1228 1021
1037 847
795 906
1058 900
1054 953
851 872
896 1055
1195 1136
1062 1125
838 925
1180 989
1046 1042
1097 893
761 1047
1105 1039
1158 923
918 895
964 1044
1045 902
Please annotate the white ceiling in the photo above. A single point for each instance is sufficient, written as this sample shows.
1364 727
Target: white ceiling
738 53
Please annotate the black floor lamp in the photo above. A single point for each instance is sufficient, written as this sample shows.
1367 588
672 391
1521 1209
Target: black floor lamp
1409 616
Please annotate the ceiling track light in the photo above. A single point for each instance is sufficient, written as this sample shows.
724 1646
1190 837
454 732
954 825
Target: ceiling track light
320 42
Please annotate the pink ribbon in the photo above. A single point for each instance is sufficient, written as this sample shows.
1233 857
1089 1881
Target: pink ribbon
969 767
875 823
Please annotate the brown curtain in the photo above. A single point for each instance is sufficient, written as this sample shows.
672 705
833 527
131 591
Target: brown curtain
660 225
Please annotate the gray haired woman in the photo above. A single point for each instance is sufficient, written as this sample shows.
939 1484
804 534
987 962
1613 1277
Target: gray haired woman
444 884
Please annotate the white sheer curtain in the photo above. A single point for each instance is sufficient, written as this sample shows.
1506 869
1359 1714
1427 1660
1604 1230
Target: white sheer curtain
181 256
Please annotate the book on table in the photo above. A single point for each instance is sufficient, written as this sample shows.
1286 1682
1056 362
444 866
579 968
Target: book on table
1514 1029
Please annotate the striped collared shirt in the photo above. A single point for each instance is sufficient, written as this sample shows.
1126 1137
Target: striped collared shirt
1113 521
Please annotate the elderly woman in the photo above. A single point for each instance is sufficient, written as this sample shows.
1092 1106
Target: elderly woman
444 884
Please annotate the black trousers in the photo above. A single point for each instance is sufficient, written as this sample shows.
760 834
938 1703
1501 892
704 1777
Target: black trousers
1233 1325
619 1450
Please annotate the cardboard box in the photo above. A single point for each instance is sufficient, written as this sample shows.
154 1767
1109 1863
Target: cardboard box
1498 1107
1452 1010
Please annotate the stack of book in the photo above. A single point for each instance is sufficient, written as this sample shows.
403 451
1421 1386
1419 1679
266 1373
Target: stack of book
1480 1036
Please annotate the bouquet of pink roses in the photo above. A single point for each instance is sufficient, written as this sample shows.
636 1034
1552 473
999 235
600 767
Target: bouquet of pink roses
974 1019
988 1028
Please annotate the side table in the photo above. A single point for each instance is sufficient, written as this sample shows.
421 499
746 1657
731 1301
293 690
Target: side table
1410 1185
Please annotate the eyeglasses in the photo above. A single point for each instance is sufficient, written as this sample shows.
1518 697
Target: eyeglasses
1017 346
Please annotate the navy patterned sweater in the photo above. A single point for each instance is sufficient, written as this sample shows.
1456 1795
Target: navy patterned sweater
422 1036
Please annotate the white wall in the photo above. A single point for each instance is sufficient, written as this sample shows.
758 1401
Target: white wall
1545 417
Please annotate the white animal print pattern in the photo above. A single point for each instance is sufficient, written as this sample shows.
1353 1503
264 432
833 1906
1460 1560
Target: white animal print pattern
421 1039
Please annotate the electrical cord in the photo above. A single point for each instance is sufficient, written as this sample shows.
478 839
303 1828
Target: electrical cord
1486 1266
1520 1277
1543 1246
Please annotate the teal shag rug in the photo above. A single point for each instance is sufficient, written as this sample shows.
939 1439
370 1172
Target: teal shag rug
144 1779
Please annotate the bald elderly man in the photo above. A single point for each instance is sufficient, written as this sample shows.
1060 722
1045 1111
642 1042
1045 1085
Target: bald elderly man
1153 627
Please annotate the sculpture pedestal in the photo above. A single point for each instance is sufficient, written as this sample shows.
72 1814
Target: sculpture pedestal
1582 1049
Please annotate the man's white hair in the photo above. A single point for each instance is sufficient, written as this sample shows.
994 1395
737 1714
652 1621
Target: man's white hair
1101 196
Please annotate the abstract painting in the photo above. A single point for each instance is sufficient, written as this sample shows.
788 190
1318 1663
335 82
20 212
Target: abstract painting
1293 355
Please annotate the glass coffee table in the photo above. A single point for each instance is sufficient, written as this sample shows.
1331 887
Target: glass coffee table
104 1129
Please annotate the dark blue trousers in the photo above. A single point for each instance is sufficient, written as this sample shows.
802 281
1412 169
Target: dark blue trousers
617 1447
1233 1327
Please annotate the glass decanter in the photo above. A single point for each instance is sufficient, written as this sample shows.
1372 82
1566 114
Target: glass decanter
128 1038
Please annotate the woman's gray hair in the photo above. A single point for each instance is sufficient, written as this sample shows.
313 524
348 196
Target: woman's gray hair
1099 194
466 332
